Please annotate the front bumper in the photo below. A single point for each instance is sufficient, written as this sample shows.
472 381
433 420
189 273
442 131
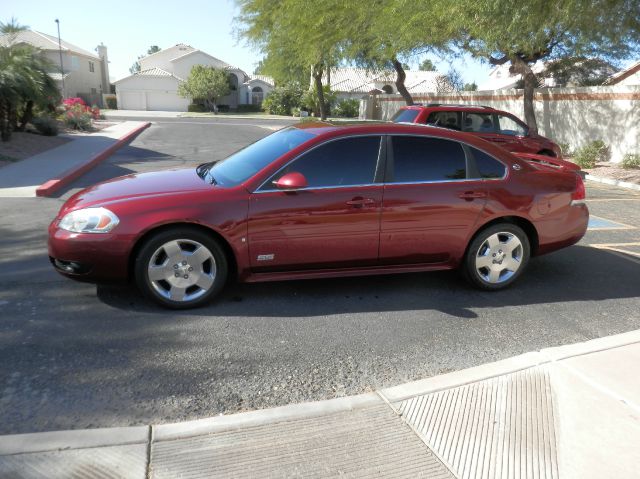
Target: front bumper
89 257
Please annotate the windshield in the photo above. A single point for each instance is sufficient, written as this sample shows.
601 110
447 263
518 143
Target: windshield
405 116
245 163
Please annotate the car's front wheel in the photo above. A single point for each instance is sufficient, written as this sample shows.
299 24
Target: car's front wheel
497 256
181 268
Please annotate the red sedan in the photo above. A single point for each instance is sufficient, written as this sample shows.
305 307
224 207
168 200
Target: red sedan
319 200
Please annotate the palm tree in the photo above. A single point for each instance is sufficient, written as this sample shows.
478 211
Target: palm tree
24 81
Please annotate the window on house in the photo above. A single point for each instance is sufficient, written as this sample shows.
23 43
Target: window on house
92 67
75 63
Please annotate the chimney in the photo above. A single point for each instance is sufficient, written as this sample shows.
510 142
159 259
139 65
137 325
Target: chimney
102 53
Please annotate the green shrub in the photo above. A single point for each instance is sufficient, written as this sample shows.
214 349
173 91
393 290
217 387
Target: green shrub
78 117
349 108
248 108
283 99
630 161
589 155
112 103
223 108
197 108
310 100
566 149
46 125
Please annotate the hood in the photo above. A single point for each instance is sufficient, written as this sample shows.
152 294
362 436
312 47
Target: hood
142 185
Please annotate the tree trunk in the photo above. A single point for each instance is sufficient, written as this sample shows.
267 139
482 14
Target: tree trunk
317 79
5 127
401 77
3 123
27 115
530 84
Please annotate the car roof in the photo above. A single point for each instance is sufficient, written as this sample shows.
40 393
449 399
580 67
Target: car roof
449 107
325 130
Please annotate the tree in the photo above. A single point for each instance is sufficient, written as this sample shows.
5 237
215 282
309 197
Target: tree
382 34
427 66
135 68
578 71
24 81
473 86
206 85
296 35
519 34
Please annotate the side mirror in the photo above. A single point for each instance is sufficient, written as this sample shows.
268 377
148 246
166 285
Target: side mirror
291 181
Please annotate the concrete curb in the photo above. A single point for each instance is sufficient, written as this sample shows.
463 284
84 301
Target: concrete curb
80 439
62 440
609 181
64 179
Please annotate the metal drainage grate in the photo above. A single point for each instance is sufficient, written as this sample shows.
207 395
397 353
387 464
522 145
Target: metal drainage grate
498 428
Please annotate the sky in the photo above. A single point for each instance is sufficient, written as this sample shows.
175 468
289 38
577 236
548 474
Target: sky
128 28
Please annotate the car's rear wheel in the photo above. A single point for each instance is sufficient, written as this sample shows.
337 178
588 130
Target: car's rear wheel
497 256
181 268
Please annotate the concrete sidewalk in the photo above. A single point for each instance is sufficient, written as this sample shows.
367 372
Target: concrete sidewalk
65 163
571 412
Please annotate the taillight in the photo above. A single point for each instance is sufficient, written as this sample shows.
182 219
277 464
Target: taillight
579 194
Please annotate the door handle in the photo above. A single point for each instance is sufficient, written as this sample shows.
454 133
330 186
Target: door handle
360 202
471 195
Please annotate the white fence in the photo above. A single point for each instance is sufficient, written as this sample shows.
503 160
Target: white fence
575 116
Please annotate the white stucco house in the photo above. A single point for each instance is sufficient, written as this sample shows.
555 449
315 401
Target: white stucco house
628 76
155 86
82 73
359 82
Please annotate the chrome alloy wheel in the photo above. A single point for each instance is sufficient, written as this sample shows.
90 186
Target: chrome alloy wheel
499 257
182 270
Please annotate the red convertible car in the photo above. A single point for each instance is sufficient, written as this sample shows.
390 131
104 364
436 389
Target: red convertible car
319 200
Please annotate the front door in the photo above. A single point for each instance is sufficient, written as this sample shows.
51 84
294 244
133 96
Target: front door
332 223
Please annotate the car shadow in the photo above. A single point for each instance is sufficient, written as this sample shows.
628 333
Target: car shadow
579 273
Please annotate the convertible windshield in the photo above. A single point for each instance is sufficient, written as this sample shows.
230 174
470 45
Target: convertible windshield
245 163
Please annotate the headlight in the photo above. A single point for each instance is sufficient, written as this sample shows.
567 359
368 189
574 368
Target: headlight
89 220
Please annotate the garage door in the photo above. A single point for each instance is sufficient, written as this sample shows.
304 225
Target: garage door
165 101
132 100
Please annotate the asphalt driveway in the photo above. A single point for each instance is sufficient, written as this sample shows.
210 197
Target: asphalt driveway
75 355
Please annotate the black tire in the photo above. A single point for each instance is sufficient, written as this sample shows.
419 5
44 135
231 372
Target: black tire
186 238
480 278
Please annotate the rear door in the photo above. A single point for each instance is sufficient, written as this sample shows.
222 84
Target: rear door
432 200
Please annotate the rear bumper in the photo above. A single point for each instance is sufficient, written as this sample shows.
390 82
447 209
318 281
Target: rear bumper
89 257
563 231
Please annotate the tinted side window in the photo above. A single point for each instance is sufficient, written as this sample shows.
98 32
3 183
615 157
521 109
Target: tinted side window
488 166
349 161
446 119
406 116
427 159
479 122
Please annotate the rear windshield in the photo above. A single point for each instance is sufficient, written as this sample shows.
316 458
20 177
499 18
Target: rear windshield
405 116
245 163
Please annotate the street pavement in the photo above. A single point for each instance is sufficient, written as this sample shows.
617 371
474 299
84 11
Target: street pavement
83 356
565 412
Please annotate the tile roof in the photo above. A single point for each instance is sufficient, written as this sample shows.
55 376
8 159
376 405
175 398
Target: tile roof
151 72
361 80
43 41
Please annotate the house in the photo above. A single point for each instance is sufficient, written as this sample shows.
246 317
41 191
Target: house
628 76
155 86
358 82
500 78
84 74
